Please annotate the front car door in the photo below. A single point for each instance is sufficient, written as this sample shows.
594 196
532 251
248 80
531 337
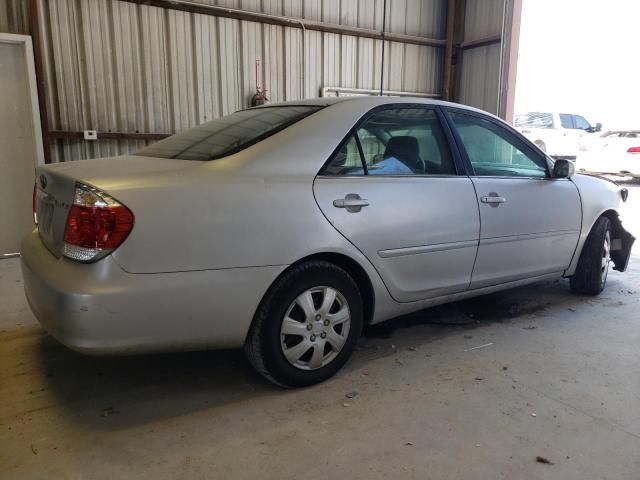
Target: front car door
583 133
572 135
530 223
392 189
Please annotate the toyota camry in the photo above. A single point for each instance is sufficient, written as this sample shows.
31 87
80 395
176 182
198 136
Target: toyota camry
287 228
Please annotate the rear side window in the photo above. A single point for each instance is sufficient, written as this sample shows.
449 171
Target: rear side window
534 120
347 161
227 135
396 141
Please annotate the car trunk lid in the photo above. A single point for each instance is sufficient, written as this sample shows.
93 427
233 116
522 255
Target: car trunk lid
53 198
56 186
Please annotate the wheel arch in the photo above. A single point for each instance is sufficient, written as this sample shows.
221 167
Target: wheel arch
617 233
355 270
621 241
612 215
616 223
349 265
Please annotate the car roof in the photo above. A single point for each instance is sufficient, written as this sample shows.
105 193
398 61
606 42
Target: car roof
372 101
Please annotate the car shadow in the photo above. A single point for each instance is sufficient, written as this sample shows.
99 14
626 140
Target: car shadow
120 392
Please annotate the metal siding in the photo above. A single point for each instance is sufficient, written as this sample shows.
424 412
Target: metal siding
428 15
479 82
479 78
483 18
120 67
13 17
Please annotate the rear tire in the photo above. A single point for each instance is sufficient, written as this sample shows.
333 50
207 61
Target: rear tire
593 265
307 325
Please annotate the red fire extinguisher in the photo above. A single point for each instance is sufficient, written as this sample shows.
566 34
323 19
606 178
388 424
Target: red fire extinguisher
260 97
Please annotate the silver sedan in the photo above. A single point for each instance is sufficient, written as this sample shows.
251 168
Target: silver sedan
286 228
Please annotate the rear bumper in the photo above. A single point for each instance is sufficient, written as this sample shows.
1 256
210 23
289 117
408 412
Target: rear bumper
101 309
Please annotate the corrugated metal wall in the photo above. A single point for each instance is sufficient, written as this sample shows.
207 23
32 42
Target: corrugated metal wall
115 66
479 84
13 17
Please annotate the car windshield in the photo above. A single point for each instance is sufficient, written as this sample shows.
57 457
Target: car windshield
534 120
227 135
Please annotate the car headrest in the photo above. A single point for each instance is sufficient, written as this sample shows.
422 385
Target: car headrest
405 148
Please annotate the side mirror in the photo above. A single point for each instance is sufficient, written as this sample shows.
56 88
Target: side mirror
563 168
595 128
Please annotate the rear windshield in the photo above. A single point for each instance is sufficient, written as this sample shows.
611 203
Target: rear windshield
534 120
227 135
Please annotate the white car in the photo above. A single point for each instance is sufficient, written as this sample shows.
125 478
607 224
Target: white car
560 135
614 153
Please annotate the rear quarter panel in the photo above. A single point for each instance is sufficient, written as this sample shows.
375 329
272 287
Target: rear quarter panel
253 208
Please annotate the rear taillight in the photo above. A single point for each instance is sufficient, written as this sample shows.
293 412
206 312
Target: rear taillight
35 205
635 150
97 224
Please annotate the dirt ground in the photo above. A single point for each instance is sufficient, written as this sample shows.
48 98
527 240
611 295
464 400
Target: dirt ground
475 390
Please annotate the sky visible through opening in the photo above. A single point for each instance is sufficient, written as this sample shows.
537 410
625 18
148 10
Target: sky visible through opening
583 57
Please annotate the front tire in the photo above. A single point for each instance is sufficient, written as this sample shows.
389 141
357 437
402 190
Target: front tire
590 277
307 325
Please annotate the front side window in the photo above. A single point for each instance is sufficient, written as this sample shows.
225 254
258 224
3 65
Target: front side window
580 123
228 134
397 141
494 151
566 120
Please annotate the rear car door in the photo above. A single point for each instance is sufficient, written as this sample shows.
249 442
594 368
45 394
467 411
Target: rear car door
530 223
393 190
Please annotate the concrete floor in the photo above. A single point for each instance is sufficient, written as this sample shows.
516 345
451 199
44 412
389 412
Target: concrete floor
560 380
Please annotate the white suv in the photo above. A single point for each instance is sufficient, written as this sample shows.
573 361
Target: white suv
561 135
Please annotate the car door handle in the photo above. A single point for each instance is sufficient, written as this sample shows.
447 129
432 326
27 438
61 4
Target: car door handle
352 202
494 200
